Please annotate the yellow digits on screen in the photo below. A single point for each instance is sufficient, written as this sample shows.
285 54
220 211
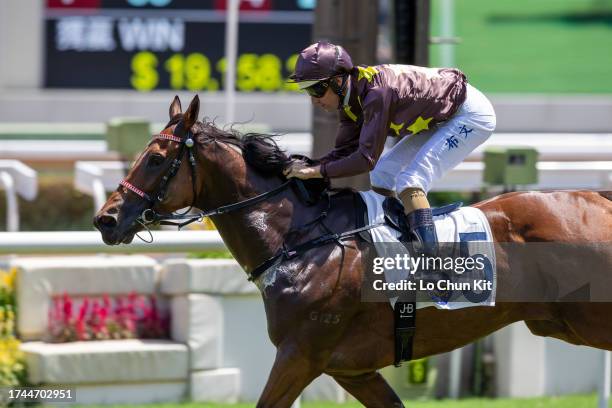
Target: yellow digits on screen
174 65
144 71
246 72
270 76
290 67
193 72
197 71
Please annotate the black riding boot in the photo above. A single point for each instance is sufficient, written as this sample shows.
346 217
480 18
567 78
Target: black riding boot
423 229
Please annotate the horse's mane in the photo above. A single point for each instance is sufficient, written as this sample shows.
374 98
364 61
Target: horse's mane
259 150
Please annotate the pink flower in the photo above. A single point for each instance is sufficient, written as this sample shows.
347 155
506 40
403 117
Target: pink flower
67 308
131 316
106 301
80 326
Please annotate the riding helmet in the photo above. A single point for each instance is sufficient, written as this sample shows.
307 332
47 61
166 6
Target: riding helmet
320 61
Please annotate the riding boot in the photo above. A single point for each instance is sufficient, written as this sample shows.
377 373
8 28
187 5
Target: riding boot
423 229
420 221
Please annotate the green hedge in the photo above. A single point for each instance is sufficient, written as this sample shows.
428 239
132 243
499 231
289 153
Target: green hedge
58 207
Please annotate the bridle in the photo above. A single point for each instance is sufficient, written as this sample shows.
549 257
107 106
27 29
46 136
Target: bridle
186 144
150 216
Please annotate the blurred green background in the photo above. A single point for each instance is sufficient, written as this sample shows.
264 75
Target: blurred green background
574 401
532 46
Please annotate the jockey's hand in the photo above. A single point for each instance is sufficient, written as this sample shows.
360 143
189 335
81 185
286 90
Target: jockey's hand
301 170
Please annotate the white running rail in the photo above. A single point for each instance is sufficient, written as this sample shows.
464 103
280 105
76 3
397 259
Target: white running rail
84 242
16 179
594 175
96 178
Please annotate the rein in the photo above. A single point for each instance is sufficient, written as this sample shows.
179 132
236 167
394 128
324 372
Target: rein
162 219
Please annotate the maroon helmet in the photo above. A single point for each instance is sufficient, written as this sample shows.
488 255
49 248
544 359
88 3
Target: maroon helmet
321 61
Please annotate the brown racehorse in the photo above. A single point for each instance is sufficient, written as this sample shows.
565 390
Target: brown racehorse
315 317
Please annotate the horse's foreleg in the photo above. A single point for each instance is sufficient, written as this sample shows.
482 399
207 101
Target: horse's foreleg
371 389
290 374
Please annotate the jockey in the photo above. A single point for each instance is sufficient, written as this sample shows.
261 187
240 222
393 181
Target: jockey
437 117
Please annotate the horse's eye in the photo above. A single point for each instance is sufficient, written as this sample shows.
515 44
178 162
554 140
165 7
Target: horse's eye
155 160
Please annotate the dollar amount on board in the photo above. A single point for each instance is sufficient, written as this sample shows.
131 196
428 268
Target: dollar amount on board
195 72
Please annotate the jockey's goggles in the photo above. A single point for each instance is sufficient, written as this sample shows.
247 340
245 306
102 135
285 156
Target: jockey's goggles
317 90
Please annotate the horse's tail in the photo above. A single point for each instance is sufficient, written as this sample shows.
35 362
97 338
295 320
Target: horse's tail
606 194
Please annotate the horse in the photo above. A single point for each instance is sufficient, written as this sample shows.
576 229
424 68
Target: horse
312 302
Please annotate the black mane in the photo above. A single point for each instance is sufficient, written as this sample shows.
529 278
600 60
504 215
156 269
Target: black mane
259 150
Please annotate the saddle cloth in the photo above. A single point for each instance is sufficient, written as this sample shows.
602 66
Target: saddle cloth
466 226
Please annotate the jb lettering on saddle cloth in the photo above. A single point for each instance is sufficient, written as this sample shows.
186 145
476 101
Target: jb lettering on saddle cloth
437 116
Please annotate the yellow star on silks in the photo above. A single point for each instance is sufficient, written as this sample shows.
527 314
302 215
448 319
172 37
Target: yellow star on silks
396 127
366 73
419 124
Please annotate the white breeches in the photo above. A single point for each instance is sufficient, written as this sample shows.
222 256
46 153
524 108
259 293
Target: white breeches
418 161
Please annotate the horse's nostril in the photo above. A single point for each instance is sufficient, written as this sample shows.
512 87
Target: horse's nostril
107 221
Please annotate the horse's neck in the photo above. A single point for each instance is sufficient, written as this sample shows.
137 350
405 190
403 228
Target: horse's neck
256 233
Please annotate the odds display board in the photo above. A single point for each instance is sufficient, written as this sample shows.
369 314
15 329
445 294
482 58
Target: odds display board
148 45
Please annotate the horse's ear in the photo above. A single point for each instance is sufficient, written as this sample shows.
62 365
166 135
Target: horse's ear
175 107
191 114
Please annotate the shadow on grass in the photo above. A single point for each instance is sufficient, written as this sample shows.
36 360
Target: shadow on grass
592 17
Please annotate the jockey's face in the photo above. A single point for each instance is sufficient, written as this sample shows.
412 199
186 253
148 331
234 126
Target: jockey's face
329 101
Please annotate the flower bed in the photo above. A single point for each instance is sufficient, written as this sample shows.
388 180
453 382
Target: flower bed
122 317
12 364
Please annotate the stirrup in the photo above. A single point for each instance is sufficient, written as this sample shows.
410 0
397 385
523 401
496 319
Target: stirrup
423 230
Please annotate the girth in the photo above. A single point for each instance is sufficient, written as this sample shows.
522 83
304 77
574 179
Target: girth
289 253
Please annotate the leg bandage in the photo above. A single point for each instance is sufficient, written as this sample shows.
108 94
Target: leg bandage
413 199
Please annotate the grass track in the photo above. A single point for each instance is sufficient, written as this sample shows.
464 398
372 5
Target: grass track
576 401
538 46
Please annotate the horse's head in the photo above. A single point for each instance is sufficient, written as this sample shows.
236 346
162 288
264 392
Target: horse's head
234 166
156 180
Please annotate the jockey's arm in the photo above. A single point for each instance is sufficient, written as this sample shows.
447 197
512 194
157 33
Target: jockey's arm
372 137
347 140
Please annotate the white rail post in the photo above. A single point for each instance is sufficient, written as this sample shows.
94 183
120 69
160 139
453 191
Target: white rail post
604 390
231 51
454 382
12 204
99 194
447 23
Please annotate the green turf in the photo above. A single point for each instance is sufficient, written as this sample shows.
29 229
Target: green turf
218 254
577 401
543 46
